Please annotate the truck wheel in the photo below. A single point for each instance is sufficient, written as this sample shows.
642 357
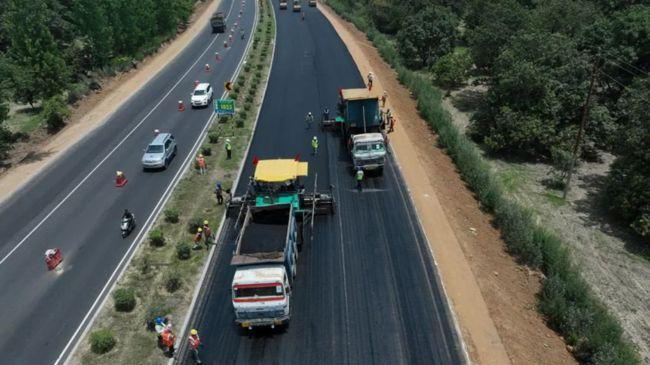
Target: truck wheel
380 171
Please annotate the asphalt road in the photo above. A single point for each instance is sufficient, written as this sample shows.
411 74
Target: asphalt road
74 205
367 290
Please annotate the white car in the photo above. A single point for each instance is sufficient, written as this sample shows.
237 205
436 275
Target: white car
202 95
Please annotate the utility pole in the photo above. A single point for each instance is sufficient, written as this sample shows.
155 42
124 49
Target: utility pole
583 123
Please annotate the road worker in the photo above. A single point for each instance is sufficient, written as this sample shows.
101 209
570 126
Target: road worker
391 124
207 233
200 163
326 114
359 178
195 342
384 96
309 118
168 339
314 145
218 192
197 238
370 79
156 132
228 149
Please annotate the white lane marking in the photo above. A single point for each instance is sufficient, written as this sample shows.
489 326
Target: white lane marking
213 249
109 154
163 200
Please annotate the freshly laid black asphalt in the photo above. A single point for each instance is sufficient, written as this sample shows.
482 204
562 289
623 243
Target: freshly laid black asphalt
74 205
367 290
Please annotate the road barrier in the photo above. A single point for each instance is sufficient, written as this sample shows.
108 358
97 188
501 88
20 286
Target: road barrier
181 106
120 179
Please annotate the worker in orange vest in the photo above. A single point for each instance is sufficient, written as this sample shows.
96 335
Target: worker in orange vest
168 341
197 238
195 342
207 233
200 162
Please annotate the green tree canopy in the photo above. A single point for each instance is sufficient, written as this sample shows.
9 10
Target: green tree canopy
427 35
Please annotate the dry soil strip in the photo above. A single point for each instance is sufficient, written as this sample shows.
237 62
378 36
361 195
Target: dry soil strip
468 303
18 176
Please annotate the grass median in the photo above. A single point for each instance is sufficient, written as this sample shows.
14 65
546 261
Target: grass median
161 278
566 301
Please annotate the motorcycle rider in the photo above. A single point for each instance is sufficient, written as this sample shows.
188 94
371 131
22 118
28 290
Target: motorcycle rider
127 215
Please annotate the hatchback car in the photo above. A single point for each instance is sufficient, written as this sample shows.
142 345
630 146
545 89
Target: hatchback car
202 95
159 152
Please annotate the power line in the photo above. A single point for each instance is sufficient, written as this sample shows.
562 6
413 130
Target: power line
634 67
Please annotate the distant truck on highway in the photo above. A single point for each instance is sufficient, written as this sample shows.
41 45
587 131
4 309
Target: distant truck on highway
296 6
360 123
283 4
275 210
218 22
312 3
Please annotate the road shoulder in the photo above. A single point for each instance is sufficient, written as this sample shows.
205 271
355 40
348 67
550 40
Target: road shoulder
492 297
97 108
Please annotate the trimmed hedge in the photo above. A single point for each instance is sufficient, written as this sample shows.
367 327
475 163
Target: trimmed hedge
566 300
102 341
124 299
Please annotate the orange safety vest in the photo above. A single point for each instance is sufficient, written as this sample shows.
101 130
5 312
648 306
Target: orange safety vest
195 341
168 338
197 237
200 161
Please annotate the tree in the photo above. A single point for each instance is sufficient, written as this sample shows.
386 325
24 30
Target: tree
539 83
38 68
427 35
451 70
628 185
5 135
92 24
490 25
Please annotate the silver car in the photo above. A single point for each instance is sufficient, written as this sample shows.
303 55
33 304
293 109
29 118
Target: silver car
159 152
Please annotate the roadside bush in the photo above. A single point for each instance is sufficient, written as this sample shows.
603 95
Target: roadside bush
243 115
156 238
240 123
194 224
452 69
247 106
173 280
233 95
223 119
213 138
258 74
124 299
247 68
183 251
206 151
249 99
55 113
171 215
76 92
102 341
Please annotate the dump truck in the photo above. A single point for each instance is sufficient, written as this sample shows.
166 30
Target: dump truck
283 4
274 215
312 3
218 22
360 124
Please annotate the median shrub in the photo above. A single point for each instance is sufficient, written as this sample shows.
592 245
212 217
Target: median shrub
206 151
156 238
213 138
173 280
240 123
124 299
102 341
171 215
193 224
183 251
233 95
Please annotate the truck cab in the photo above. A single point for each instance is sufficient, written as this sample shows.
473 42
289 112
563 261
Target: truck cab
296 6
368 151
283 4
218 22
261 296
312 3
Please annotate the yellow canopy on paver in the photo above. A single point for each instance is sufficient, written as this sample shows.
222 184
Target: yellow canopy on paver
279 170
358 94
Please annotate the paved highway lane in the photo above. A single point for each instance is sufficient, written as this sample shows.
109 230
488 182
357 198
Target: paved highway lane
75 206
367 290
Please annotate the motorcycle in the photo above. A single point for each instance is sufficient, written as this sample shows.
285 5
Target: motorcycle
127 225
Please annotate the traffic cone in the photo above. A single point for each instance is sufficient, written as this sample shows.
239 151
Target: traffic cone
196 83
120 179
216 56
181 106
207 67
225 44
230 38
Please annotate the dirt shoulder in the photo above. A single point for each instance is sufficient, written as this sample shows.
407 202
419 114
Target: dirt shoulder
494 299
95 109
